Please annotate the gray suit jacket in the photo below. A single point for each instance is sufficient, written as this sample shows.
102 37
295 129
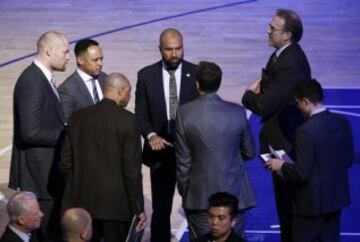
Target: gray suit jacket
213 139
74 93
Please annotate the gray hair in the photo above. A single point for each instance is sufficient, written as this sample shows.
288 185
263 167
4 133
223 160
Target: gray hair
18 204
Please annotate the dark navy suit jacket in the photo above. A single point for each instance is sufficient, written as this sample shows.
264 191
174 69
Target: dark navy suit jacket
323 154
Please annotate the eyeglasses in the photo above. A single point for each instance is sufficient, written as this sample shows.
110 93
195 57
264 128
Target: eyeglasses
272 29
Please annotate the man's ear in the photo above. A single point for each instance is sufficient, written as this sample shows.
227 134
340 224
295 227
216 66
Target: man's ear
80 60
233 222
288 35
20 220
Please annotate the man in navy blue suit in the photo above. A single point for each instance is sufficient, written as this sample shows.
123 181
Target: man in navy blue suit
160 88
323 154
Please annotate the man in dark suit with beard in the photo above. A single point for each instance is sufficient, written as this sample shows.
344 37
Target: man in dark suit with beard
84 87
213 141
323 154
272 99
38 124
24 215
101 161
161 87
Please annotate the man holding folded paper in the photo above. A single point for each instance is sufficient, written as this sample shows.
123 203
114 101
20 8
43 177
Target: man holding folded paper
323 154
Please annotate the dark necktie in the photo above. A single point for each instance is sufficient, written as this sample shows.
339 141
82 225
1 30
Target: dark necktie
95 93
274 59
173 100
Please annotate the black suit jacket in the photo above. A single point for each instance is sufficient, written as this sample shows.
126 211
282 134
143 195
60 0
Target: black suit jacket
324 152
38 123
74 94
150 106
101 160
275 103
10 236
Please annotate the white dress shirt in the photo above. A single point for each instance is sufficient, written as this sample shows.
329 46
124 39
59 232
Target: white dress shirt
87 80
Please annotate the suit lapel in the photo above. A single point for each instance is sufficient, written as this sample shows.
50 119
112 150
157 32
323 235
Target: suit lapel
50 93
159 85
185 86
82 89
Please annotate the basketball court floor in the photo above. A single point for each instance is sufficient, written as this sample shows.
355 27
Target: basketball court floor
231 33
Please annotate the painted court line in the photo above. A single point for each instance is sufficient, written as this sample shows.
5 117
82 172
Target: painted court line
4 150
345 113
278 232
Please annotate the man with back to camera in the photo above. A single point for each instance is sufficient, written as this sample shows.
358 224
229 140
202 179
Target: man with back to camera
38 125
323 154
222 213
24 215
213 139
103 167
76 225
272 99
84 87
160 88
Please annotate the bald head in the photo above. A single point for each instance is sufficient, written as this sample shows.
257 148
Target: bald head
53 50
171 48
117 88
169 33
76 225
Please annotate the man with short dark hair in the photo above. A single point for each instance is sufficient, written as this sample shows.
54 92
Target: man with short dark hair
101 161
222 212
160 89
213 139
323 154
84 87
25 216
272 99
76 225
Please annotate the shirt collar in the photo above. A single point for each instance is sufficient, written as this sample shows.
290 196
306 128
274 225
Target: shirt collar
46 72
24 236
318 110
86 77
279 51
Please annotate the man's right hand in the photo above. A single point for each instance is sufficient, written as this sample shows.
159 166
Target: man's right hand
158 143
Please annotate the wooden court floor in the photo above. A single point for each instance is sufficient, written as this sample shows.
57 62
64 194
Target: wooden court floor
230 33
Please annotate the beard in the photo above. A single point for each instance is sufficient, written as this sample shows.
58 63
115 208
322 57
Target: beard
172 65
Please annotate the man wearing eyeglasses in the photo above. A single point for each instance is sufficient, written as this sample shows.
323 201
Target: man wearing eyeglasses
271 97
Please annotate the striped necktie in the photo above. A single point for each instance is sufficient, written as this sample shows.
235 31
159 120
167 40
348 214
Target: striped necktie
96 98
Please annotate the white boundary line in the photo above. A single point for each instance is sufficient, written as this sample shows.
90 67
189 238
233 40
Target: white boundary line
181 231
278 232
4 150
342 106
342 87
345 113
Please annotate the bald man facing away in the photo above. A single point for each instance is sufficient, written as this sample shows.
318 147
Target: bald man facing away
101 161
38 124
76 225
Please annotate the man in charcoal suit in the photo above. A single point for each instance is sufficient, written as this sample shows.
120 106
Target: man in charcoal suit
38 125
323 154
213 139
84 87
272 99
161 87
101 161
